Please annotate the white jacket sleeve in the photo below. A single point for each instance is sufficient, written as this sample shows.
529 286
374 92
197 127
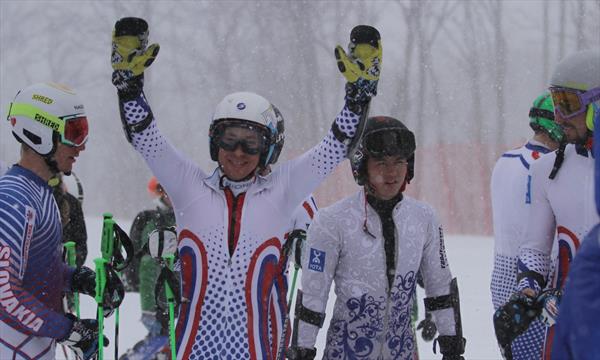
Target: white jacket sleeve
304 173
319 261
536 246
436 275
172 169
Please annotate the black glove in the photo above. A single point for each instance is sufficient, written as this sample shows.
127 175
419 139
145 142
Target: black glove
84 281
451 347
428 326
298 353
295 240
131 55
513 318
83 337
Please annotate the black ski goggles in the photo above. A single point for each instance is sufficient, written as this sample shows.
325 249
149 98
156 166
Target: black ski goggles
251 140
390 142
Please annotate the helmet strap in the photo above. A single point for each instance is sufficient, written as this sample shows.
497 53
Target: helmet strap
51 162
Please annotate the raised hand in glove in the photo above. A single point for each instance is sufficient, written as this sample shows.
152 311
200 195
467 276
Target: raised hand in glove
428 327
131 55
84 281
83 337
361 65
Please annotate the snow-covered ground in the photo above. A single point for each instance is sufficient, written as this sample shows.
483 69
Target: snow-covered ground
470 259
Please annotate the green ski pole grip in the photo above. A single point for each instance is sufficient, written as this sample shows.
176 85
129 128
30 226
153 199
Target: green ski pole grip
100 286
108 234
71 261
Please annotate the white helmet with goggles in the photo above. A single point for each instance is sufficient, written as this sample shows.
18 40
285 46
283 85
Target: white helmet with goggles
252 111
43 114
575 86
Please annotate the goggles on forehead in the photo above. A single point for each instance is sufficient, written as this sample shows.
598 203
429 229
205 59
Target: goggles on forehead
73 129
570 102
389 142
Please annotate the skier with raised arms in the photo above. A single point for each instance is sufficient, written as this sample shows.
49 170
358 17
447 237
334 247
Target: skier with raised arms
231 223
562 202
49 121
510 204
372 245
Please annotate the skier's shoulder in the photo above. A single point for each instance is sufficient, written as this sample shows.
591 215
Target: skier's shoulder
418 207
341 209
19 190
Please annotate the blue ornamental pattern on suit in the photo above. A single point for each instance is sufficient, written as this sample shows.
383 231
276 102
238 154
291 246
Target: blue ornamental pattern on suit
399 338
372 320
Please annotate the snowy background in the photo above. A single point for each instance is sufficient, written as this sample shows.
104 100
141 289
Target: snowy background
461 74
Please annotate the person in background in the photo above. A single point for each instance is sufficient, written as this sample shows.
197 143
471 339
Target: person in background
72 219
562 202
510 205
577 336
142 273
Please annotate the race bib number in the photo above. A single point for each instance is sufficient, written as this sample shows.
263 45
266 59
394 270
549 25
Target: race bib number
316 261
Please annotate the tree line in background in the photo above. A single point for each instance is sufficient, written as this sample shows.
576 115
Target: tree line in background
460 74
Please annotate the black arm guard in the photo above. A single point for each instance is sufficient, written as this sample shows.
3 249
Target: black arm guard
450 346
309 316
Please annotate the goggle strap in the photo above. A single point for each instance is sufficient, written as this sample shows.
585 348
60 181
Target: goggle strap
546 114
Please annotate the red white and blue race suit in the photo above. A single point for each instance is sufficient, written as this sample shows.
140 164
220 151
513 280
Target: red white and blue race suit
33 275
229 311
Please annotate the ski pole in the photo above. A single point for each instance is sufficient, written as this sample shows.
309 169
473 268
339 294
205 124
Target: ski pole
281 350
70 249
108 246
113 239
170 259
106 249
100 285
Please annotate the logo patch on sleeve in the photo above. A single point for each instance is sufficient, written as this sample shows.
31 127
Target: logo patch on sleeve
316 261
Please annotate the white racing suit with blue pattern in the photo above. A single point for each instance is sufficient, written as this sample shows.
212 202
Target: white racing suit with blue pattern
371 320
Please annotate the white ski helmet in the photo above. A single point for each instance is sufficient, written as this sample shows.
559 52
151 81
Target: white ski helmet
253 111
43 114
581 71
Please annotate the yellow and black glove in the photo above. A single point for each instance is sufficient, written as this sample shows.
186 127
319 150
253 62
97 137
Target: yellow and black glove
131 55
361 65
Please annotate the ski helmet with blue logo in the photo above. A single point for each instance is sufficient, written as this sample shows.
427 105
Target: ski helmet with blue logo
250 110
